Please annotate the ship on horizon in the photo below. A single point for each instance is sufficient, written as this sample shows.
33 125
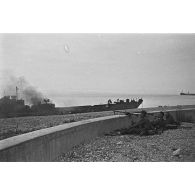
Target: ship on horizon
182 93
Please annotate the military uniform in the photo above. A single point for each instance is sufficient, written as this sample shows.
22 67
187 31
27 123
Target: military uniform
170 122
159 125
142 127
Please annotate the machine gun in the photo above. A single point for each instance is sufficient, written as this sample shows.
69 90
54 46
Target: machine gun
126 113
132 113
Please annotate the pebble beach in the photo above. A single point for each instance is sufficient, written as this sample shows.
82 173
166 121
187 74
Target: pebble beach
19 125
172 145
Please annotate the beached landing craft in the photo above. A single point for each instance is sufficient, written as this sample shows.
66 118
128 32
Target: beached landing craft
118 105
11 106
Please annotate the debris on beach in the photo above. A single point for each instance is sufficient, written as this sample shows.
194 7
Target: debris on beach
177 152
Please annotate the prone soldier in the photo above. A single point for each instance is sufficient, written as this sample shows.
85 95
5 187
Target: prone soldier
159 124
142 127
170 122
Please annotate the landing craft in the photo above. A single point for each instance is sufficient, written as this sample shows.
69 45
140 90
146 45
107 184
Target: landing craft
12 106
118 105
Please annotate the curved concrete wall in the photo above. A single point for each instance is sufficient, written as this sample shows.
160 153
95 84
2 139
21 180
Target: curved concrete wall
47 144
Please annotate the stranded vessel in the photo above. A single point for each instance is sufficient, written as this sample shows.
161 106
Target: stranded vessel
11 106
118 105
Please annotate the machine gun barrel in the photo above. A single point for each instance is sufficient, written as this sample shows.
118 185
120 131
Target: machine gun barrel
126 113
130 113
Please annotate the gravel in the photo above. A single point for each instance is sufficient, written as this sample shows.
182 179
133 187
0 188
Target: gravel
172 145
19 125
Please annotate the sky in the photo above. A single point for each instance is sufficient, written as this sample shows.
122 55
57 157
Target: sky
104 63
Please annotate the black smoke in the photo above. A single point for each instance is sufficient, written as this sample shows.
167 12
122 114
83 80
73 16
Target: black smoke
26 91
32 96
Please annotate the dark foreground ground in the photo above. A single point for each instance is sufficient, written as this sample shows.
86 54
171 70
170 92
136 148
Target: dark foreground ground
172 145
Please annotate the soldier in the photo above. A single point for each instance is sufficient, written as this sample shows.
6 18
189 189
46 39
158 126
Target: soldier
170 122
109 101
169 119
159 124
142 127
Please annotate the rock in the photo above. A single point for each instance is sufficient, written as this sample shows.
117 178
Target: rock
135 158
174 148
177 152
119 143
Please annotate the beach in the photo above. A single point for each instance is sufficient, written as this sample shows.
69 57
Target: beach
19 125
173 145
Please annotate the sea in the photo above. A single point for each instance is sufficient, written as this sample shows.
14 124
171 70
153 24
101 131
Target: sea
148 100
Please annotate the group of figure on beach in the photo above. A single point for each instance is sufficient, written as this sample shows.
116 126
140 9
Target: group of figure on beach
146 127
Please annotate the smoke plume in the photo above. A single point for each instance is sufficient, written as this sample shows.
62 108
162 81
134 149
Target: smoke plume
32 96
25 90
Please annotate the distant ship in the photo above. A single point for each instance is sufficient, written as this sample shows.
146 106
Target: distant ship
118 105
182 93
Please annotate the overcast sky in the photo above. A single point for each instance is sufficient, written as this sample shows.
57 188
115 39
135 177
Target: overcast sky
116 63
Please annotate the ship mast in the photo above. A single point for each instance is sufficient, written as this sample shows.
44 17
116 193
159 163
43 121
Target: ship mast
16 93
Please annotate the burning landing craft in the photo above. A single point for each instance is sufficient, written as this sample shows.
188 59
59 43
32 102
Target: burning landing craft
44 107
12 106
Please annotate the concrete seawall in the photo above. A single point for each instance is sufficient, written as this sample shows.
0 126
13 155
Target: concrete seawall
49 143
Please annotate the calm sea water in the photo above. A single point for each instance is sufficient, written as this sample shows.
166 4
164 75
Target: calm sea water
148 100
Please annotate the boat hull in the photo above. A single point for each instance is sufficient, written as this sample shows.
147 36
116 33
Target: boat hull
98 108
187 93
